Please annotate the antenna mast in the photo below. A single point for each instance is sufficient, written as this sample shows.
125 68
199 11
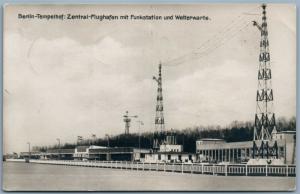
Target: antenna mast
159 117
127 120
264 125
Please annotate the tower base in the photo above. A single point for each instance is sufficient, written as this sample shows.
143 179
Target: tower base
265 149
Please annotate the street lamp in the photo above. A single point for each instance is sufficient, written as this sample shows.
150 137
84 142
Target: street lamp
58 147
93 139
79 140
106 135
29 156
108 156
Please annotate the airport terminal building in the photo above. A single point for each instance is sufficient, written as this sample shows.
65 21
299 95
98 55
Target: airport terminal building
218 150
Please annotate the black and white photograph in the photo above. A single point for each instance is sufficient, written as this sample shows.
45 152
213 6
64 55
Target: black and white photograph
149 97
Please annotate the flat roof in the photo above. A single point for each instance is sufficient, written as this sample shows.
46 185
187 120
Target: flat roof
210 139
230 145
287 132
61 151
171 153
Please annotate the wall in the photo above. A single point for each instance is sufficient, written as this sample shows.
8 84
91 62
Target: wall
170 148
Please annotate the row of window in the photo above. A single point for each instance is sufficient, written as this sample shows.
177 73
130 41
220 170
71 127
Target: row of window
239 152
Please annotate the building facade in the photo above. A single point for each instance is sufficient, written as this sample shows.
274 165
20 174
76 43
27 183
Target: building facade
170 152
170 157
116 153
219 151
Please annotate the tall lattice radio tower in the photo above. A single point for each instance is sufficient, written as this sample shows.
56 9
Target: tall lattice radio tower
264 124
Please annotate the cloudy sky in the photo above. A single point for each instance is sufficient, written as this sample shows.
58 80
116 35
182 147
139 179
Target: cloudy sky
78 77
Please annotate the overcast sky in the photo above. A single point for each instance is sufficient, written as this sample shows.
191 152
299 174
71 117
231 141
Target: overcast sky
68 78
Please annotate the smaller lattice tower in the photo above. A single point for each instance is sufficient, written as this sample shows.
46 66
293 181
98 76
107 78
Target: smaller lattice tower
159 116
127 120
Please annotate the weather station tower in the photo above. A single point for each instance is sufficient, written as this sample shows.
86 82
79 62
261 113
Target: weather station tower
127 120
265 124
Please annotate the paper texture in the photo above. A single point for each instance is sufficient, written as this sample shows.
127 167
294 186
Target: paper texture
72 71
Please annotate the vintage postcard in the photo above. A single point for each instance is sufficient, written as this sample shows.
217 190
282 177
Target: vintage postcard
149 97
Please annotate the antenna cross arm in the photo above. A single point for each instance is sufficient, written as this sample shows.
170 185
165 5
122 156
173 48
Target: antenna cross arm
128 116
257 25
154 78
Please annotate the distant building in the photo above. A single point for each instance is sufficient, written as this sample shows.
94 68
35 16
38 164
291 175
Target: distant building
90 153
82 152
170 152
10 156
217 150
33 155
51 154
118 154
109 153
170 157
61 154
170 148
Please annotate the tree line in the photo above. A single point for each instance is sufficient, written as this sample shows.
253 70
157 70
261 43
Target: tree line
234 132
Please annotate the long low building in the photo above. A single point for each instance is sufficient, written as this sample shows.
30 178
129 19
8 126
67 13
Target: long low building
217 150
90 153
63 154
113 153
32 154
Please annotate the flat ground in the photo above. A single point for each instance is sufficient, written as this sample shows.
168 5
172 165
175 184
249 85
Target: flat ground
43 177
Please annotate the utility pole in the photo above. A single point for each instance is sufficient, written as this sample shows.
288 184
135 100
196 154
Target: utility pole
58 147
108 155
29 153
93 139
140 123
107 136
264 125
79 139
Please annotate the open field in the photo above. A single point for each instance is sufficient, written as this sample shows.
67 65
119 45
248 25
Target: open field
26 177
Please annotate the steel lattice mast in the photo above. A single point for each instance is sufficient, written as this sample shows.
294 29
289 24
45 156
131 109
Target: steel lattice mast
159 117
265 117
127 120
265 125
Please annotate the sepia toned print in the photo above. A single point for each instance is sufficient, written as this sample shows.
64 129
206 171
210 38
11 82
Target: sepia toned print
195 97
